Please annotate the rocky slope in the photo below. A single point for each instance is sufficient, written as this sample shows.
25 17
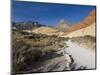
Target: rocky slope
86 27
90 30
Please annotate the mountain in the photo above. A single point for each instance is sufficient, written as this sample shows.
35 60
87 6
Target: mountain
45 30
26 25
63 25
86 27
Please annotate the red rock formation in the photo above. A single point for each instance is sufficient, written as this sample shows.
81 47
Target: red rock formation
85 23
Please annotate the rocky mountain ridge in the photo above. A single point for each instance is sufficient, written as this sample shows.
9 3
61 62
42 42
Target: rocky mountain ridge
27 25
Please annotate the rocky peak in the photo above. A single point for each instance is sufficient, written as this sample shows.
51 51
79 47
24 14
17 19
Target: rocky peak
63 25
62 21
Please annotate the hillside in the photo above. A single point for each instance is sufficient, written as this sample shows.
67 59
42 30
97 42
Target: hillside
90 30
86 27
45 30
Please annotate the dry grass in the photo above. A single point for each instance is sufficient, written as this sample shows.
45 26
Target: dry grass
28 49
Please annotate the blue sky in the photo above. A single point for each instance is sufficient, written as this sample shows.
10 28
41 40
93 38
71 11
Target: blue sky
48 13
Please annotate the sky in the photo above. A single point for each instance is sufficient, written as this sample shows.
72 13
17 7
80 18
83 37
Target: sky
49 13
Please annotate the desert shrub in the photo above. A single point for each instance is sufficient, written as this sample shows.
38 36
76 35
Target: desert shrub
91 38
25 59
32 56
17 67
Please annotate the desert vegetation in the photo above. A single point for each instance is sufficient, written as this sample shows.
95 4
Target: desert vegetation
85 41
29 49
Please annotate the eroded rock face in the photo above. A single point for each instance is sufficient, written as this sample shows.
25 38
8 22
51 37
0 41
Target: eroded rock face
90 30
86 27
